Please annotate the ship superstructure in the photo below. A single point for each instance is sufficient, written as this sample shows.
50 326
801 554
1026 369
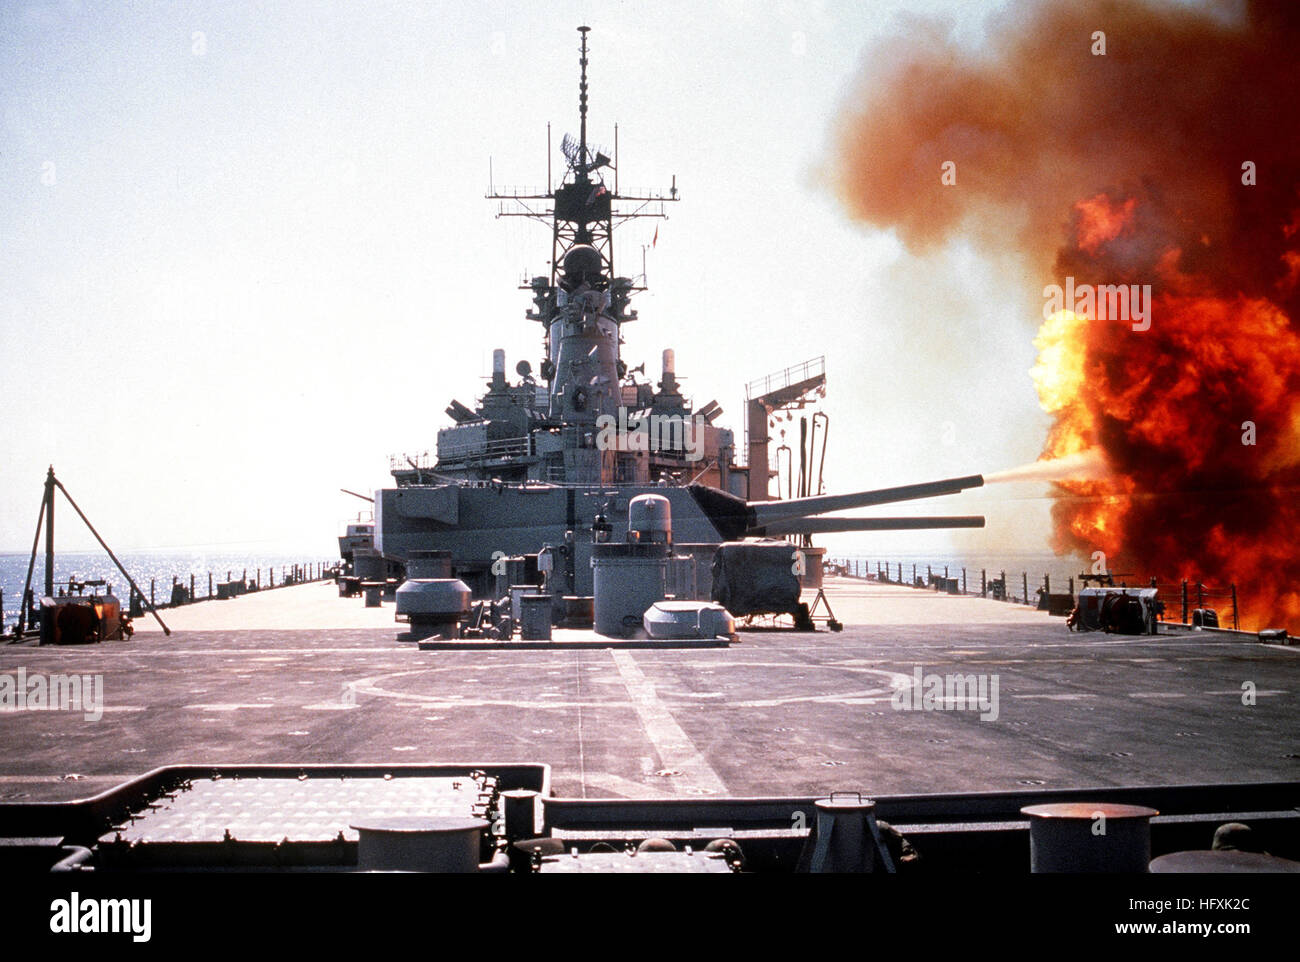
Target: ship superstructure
554 457
551 465
585 417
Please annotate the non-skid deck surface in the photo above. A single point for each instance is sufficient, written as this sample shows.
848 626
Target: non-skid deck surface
299 675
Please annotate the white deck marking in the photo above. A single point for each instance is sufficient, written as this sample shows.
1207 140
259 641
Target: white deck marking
228 706
582 754
676 750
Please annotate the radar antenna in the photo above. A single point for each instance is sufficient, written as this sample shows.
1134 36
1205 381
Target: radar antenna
582 209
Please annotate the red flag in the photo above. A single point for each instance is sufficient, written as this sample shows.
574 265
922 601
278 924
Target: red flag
656 239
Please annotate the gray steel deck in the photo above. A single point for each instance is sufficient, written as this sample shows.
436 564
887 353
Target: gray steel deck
778 714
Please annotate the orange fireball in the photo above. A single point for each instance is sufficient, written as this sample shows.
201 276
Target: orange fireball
1198 418
1167 166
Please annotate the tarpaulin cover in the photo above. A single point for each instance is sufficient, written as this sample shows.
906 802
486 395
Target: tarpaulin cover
756 577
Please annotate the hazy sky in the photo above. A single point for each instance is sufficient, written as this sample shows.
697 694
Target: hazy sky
245 254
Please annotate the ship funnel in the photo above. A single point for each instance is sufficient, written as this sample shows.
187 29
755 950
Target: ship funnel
766 512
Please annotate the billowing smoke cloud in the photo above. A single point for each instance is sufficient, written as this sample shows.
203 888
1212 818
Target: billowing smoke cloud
1143 144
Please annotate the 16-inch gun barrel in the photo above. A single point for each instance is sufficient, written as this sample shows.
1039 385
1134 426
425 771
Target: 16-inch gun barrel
839 525
735 518
766 512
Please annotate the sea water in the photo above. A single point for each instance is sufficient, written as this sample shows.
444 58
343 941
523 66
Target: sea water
145 567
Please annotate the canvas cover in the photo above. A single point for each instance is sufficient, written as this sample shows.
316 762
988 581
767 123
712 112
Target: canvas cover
756 577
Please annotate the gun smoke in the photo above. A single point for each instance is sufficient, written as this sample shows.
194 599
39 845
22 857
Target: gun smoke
1126 144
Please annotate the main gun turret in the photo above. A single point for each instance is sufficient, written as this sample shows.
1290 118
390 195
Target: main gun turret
736 518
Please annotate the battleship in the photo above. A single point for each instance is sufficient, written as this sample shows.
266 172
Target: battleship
553 466
936 734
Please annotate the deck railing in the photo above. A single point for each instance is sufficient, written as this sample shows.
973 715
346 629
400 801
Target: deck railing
1182 598
186 588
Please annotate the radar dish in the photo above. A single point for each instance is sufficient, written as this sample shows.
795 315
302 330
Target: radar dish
571 149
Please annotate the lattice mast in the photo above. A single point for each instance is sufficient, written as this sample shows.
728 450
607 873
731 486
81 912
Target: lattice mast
583 210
